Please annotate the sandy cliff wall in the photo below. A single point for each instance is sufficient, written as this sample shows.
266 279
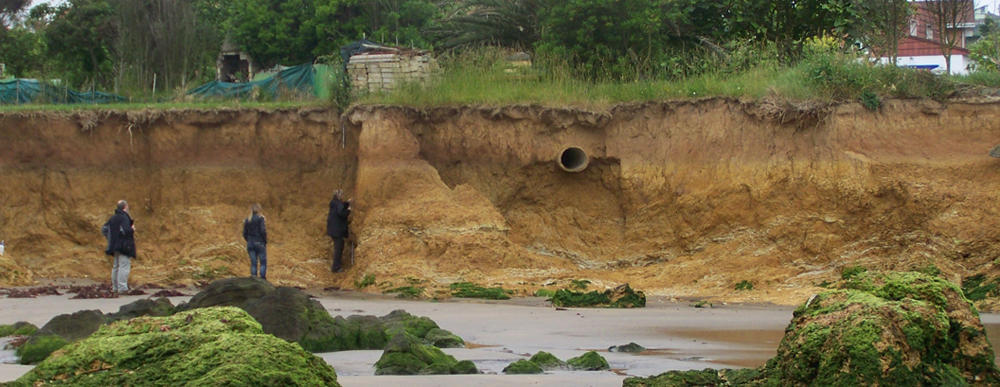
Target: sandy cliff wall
685 198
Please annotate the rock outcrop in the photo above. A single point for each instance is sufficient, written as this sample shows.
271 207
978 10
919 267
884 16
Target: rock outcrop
207 346
898 328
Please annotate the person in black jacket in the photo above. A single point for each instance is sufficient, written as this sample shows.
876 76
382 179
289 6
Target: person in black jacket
255 233
121 245
336 226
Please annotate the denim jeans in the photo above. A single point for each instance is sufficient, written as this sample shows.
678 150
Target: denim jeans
119 273
257 252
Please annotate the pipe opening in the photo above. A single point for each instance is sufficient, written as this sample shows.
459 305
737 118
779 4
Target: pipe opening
573 159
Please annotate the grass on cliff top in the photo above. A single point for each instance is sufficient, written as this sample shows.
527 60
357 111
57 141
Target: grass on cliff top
822 74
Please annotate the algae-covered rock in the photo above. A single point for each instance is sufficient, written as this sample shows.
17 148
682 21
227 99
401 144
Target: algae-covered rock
20 328
415 325
630 347
471 290
208 346
38 347
293 315
143 307
705 377
522 367
889 329
228 292
547 361
406 355
59 331
443 339
622 296
73 326
589 361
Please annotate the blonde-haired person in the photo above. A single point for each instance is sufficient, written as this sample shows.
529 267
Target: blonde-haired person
255 233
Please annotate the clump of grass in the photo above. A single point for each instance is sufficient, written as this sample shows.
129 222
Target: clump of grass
366 281
471 290
977 287
579 284
702 304
849 272
744 285
411 292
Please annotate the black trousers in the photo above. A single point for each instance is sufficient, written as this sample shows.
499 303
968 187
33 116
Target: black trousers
338 252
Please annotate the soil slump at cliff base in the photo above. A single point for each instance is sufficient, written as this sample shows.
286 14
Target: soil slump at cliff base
681 199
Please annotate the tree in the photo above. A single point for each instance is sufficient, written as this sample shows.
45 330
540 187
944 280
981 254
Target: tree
881 24
9 9
167 40
79 38
789 23
985 52
505 23
946 16
625 38
275 31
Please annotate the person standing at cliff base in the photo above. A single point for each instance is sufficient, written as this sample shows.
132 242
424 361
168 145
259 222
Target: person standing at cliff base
121 246
336 226
255 233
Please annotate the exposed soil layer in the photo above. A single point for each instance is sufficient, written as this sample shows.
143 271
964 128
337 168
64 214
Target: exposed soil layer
682 199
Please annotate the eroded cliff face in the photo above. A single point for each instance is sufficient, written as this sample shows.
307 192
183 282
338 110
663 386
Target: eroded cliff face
680 199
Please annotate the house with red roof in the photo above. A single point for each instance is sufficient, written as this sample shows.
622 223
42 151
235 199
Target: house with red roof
922 48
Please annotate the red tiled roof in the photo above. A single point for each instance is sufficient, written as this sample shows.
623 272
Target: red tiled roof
914 46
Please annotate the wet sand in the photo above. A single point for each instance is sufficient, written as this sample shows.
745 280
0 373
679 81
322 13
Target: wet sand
677 336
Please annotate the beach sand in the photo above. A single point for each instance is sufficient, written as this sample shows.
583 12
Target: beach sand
677 336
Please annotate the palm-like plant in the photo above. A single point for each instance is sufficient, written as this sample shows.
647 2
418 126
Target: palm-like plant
506 23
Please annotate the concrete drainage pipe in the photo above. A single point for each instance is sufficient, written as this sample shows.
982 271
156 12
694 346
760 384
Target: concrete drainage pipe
573 159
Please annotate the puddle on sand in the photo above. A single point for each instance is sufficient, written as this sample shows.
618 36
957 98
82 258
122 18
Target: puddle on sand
7 356
752 347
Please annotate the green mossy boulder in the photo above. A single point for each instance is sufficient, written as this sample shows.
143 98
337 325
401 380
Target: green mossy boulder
143 307
622 296
705 377
630 347
228 292
293 315
889 329
19 328
414 325
547 361
522 367
443 339
39 347
406 355
589 361
221 346
471 290
902 328
59 331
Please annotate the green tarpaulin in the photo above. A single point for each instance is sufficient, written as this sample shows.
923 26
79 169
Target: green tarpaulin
297 81
22 91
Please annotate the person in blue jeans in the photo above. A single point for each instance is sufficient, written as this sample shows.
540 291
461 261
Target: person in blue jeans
255 233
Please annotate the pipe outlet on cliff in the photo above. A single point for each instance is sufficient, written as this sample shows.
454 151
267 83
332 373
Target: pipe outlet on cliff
573 159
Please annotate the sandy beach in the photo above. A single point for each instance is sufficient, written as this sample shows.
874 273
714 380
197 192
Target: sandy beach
677 336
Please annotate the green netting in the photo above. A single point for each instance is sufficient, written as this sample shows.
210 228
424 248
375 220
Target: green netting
294 81
22 91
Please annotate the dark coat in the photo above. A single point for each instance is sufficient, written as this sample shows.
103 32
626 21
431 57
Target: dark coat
120 235
254 229
336 221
